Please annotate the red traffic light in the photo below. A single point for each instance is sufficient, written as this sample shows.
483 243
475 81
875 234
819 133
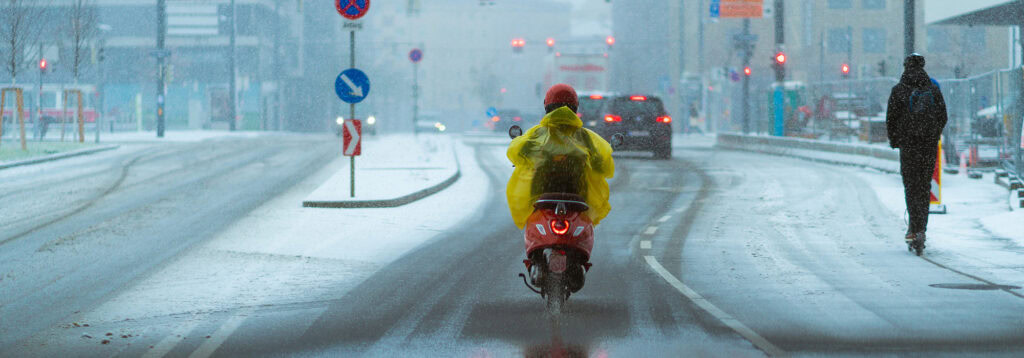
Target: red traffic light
747 71
610 40
780 58
845 68
551 42
518 42
43 64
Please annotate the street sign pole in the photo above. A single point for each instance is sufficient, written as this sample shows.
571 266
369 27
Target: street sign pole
352 114
351 83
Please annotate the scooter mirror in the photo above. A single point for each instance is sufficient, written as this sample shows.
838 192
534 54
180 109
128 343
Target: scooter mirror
514 131
617 140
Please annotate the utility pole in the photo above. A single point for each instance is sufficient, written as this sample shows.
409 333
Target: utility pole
700 67
232 91
780 74
747 46
161 32
908 27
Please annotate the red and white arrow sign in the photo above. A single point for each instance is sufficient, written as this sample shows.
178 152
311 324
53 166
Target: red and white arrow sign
351 135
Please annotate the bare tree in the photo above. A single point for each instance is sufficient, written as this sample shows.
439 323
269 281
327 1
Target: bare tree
20 31
80 30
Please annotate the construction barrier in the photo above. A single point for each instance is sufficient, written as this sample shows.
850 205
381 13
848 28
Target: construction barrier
936 192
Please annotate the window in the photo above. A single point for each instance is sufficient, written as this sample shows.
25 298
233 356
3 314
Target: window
974 40
938 39
873 4
874 40
840 4
839 40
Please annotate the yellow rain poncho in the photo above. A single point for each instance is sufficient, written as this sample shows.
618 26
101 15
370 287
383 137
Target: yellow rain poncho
559 155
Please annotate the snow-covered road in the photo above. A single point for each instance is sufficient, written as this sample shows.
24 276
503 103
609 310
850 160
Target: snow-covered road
715 252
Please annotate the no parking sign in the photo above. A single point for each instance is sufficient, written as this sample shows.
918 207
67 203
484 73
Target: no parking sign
352 9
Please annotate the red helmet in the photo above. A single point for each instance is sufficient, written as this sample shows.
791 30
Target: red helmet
561 94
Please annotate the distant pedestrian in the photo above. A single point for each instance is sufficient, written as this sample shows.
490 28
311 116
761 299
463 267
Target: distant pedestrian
915 119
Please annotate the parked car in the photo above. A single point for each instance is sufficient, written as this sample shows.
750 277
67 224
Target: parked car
642 121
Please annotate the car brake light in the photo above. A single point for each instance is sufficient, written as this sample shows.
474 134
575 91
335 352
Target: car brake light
638 98
495 119
665 119
596 96
560 227
612 118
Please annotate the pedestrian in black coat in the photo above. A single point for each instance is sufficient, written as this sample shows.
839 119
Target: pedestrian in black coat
915 119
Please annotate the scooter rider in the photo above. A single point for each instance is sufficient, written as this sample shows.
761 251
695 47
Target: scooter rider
559 156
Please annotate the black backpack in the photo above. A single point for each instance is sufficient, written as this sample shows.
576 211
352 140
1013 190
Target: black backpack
920 121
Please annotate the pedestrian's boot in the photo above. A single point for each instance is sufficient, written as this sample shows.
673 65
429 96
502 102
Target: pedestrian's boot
909 238
916 243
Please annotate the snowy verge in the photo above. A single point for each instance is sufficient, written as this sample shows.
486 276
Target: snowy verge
393 170
179 136
57 156
876 157
282 253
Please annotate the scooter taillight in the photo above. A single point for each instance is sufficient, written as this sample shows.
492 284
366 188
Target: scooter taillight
560 227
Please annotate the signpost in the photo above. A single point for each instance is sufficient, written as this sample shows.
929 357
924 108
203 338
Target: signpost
416 55
352 85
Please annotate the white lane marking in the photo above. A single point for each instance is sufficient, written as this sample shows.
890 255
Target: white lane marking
651 230
217 338
664 218
645 244
711 309
168 343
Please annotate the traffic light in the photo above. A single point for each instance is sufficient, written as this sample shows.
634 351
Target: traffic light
845 69
517 45
551 44
610 40
43 65
881 68
779 65
747 71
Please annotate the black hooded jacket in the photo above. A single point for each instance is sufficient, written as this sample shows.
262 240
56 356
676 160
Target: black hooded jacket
897 113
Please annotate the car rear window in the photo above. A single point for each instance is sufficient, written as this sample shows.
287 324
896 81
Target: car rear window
650 107
590 105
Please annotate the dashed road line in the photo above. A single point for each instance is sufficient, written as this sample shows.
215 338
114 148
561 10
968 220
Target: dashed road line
645 244
168 343
664 218
651 230
713 310
217 338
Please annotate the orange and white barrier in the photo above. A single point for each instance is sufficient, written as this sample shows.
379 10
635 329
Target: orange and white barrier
936 192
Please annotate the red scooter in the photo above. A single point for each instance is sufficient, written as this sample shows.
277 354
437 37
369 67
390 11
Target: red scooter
559 237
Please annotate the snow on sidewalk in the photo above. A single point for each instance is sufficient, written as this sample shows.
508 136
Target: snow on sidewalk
283 253
390 167
978 235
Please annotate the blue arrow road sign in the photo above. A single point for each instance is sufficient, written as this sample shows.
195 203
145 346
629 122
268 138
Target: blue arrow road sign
352 86
491 112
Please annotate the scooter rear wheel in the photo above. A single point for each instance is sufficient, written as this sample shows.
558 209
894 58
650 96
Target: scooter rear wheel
555 293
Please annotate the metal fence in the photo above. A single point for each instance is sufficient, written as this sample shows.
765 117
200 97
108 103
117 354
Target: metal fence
984 119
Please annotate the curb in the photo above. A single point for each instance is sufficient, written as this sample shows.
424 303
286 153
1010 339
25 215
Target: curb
789 147
53 157
394 202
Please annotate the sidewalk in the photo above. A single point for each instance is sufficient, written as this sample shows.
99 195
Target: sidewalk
979 234
393 170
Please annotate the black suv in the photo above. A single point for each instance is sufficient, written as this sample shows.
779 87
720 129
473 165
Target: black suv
643 122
